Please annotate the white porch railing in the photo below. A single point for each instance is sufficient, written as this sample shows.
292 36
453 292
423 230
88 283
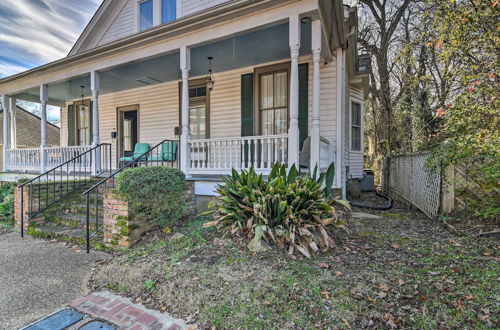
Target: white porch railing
23 159
220 155
31 159
59 155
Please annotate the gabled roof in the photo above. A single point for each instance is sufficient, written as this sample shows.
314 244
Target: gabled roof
100 22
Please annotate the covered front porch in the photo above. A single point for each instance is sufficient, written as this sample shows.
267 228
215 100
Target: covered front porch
272 89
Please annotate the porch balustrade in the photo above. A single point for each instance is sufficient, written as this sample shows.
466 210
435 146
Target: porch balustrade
31 159
221 155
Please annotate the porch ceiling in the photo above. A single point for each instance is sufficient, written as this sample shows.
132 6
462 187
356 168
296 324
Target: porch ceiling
252 48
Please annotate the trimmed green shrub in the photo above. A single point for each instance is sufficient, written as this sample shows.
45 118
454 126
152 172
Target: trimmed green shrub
289 210
154 194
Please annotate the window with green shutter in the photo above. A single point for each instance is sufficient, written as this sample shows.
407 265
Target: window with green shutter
303 102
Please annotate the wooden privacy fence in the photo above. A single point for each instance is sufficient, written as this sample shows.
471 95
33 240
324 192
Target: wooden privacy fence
407 178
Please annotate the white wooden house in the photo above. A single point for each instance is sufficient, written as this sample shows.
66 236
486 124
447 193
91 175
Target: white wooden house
284 70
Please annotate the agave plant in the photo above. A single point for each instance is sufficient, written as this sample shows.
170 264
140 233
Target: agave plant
287 209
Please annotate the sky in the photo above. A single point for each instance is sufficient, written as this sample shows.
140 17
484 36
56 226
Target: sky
36 32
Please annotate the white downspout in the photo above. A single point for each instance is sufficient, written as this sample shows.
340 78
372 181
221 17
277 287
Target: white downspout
340 127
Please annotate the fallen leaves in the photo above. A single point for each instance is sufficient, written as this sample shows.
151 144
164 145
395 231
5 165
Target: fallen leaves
324 265
384 287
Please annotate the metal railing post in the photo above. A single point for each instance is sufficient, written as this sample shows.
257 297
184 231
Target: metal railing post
22 211
87 225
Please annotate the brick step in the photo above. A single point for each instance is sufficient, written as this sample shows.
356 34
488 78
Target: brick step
72 220
62 233
81 209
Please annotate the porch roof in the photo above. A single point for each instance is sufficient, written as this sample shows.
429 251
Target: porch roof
199 29
252 48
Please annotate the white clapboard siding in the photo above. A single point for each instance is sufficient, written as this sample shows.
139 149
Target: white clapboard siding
328 99
192 6
159 107
356 159
64 126
123 25
126 22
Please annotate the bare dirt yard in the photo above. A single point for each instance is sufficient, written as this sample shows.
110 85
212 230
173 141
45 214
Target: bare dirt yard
394 269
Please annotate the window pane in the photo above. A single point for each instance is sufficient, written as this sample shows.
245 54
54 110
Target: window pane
127 135
146 9
266 122
356 114
356 139
197 125
280 89
266 91
201 91
168 10
281 121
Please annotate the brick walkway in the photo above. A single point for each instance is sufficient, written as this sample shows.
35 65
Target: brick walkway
122 313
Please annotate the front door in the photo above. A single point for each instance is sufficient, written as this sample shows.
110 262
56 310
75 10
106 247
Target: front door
127 131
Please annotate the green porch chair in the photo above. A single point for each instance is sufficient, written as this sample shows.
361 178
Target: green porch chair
139 149
168 152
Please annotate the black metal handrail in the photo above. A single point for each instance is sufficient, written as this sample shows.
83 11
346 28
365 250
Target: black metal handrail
59 182
153 157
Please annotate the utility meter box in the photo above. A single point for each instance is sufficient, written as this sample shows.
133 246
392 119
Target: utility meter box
368 181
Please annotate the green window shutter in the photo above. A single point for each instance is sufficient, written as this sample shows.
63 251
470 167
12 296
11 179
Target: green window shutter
303 102
71 125
247 111
247 105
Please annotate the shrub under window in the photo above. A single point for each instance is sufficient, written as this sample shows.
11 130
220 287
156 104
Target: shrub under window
155 194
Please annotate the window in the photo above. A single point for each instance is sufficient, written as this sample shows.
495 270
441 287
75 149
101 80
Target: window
83 124
168 10
146 14
127 135
355 126
198 112
273 102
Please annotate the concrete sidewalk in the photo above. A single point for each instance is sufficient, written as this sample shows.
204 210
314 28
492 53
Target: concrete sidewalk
38 277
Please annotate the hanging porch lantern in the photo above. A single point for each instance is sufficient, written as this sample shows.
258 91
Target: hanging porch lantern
210 81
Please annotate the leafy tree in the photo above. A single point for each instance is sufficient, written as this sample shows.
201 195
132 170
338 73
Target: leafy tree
468 31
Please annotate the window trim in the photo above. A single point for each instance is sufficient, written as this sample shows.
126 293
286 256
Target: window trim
193 83
76 118
362 111
157 13
119 114
263 70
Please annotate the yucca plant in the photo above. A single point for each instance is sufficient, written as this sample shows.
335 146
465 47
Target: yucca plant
289 210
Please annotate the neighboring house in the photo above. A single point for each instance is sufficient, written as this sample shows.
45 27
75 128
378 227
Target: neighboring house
285 71
26 126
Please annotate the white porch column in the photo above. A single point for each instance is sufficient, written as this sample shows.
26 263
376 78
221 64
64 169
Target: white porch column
13 124
293 131
6 144
44 97
315 131
94 86
185 67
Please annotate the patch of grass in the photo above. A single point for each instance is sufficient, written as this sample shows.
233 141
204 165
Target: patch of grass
377 277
